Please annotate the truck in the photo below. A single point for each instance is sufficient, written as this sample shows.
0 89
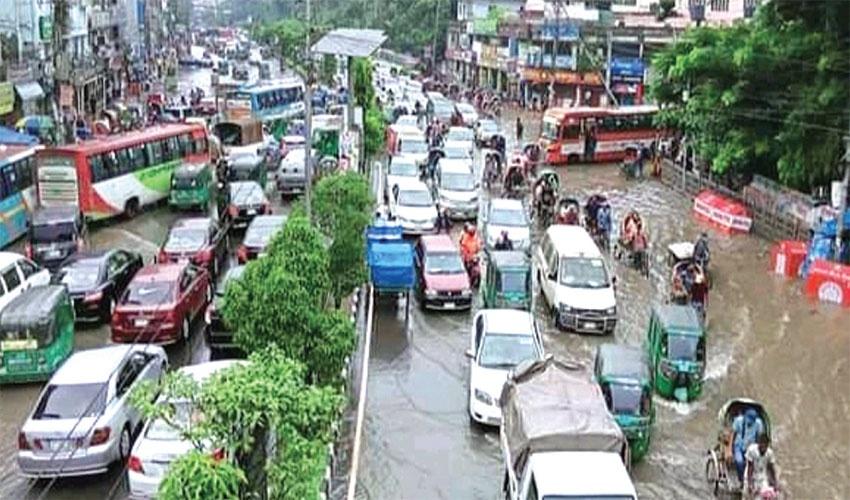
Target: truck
558 438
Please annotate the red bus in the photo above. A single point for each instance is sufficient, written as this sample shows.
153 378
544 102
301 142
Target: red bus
566 135
120 173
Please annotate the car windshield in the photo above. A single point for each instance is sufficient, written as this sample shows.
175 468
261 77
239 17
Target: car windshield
51 233
682 348
625 398
489 127
69 401
465 108
182 239
550 130
234 273
456 152
148 294
581 272
404 169
258 235
415 198
246 193
407 120
413 146
444 263
186 181
459 134
514 281
83 274
443 108
507 217
457 182
184 413
506 351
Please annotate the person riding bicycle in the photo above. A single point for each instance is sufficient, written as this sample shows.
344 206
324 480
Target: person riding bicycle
470 244
747 428
702 255
504 242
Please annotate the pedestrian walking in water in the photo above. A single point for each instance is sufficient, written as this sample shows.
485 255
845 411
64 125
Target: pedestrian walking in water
518 130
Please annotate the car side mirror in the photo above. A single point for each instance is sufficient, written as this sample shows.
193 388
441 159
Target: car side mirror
469 354
552 276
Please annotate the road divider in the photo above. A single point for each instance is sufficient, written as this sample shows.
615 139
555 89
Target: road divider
361 398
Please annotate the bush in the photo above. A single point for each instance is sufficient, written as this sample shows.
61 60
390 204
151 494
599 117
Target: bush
198 475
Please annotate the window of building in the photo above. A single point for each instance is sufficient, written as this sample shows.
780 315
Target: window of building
720 5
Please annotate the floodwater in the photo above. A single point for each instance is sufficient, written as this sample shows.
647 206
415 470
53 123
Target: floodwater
143 234
765 341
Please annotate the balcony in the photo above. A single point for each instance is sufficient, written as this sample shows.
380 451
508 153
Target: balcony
547 61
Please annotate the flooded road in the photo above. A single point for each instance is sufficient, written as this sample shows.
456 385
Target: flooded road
765 341
143 234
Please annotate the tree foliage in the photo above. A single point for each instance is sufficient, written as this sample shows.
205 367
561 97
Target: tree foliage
197 475
768 96
343 208
364 95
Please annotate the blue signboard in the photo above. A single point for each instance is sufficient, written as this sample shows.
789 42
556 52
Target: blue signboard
547 61
627 68
562 31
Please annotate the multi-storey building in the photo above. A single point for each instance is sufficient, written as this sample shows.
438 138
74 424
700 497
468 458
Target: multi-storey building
571 52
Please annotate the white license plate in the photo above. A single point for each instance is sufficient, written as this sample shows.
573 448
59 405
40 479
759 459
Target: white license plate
52 254
60 444
252 212
183 260
141 322
155 469
449 305
589 325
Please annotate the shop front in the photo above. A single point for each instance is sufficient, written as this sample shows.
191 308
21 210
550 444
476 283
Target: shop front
562 88
627 80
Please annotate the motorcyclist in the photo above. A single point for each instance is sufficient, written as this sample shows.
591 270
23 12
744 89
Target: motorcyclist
470 245
514 178
544 194
702 255
504 242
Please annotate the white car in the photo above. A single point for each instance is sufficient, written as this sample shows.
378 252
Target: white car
408 121
401 169
83 422
485 131
159 444
503 214
413 205
457 188
467 113
462 135
414 145
455 150
17 273
500 340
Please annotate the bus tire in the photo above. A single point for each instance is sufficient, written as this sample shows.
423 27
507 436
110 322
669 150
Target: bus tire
573 158
132 208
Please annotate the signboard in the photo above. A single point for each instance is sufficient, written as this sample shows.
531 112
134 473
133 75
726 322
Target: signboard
562 31
486 26
489 56
66 96
561 77
45 28
627 68
7 98
547 61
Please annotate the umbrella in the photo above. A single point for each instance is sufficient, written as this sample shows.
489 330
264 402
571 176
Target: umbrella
35 123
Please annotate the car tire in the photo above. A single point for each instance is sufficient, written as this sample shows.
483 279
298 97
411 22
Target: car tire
132 208
125 443
185 331
110 308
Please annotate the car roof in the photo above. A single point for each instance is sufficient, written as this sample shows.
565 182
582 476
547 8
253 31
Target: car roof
190 168
509 258
509 321
466 105
581 473
247 185
573 239
411 184
53 215
403 158
89 255
438 243
455 166
268 220
506 204
159 273
678 319
203 371
9 258
93 366
192 223
465 130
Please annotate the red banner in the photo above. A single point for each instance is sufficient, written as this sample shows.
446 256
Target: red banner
787 256
723 213
829 282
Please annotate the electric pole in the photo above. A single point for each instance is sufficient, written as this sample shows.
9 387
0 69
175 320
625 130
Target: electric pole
434 42
308 119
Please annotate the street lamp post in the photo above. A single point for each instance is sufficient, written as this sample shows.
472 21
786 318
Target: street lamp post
308 120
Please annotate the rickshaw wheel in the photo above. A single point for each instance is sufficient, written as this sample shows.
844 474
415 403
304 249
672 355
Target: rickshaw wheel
712 476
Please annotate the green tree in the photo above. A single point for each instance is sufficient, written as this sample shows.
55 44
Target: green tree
198 476
364 92
364 95
768 96
327 72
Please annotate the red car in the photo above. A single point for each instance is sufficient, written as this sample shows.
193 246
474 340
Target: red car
160 303
199 240
443 282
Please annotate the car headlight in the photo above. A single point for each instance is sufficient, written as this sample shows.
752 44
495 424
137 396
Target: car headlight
430 293
465 293
565 309
611 311
483 397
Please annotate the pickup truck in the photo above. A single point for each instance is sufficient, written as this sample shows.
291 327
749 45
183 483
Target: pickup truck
557 437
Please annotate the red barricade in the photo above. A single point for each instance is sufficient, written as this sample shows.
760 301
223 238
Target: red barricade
787 256
829 282
722 213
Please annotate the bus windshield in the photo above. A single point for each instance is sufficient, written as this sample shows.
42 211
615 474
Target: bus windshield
550 129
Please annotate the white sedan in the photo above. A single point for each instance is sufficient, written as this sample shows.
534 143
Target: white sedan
412 203
159 443
467 113
500 340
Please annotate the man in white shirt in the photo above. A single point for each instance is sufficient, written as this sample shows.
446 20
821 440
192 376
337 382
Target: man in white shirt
761 469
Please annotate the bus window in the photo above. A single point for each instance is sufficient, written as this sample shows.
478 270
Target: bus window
137 153
110 164
167 154
185 141
174 147
125 166
570 131
96 164
608 124
24 172
7 183
154 152
200 146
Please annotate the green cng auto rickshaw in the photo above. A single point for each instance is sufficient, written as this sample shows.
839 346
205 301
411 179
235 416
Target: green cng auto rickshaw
36 334
623 374
326 140
675 343
190 186
248 167
507 281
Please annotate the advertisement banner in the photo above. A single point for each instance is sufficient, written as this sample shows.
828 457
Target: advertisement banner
537 75
562 31
627 68
7 98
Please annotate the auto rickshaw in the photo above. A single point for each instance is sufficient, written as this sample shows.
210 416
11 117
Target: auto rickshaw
248 167
190 187
507 280
326 141
623 374
675 343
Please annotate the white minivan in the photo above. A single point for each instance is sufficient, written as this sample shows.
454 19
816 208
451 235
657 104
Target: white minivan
18 273
575 280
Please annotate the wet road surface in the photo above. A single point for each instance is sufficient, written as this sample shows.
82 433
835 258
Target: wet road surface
143 234
765 341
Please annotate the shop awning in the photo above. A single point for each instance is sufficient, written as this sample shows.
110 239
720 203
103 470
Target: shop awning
29 91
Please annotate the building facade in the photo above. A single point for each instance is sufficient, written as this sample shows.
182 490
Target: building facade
570 53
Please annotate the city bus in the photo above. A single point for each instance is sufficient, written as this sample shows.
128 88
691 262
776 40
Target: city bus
567 133
274 102
17 191
118 174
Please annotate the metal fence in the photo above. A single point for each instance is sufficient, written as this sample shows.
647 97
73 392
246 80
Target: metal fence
772 223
